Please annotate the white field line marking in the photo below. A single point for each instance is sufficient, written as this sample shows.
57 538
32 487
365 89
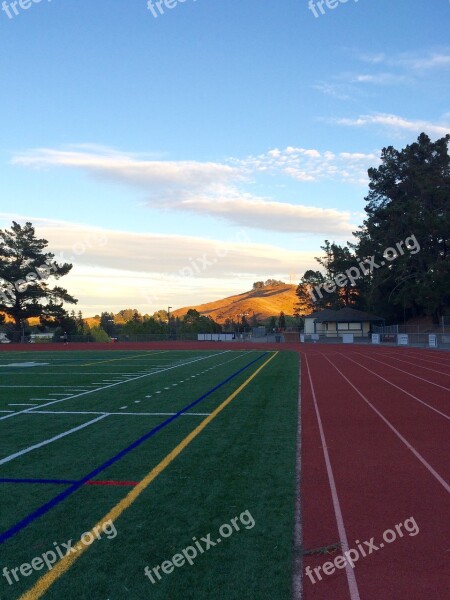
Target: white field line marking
397 433
120 383
6 411
106 414
406 372
39 399
72 373
351 579
23 404
42 386
63 393
414 364
50 440
400 388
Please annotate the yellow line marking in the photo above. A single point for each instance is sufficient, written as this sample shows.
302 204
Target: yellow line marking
98 362
47 580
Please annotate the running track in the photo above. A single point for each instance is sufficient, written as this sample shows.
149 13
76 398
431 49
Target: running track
387 461
374 454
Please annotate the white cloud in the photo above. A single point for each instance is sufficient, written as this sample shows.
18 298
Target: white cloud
396 123
413 61
118 269
213 188
380 79
309 164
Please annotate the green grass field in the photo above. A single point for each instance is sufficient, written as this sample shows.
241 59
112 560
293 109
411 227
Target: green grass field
73 412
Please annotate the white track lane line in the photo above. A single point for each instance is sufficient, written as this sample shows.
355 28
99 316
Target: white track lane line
398 388
121 382
351 579
403 371
50 440
414 364
435 474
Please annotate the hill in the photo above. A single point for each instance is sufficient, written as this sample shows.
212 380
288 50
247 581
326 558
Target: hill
263 303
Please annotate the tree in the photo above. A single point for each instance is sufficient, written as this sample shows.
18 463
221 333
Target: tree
409 195
282 321
25 269
107 323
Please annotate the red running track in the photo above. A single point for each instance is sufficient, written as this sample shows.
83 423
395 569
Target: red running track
375 454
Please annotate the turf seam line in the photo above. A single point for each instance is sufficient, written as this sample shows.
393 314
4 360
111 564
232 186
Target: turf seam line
42 510
46 581
297 556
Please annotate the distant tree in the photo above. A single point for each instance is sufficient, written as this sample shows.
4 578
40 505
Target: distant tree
126 314
272 323
273 282
98 334
161 315
25 271
258 285
282 321
107 323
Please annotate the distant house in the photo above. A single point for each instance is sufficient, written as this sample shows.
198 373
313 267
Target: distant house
333 323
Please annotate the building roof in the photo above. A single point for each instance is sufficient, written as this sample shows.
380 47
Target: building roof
344 315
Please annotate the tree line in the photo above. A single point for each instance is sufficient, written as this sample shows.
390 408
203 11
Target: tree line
398 264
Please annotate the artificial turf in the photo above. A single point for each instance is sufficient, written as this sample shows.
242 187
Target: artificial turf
242 462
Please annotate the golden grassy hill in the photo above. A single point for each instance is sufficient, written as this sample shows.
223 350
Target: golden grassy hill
266 302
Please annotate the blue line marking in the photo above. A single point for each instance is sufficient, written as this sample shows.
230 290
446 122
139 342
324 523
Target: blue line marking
42 510
55 481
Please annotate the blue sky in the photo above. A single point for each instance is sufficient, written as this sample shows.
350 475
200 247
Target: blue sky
178 159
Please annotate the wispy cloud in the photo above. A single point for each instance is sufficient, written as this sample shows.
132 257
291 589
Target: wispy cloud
379 79
414 61
215 189
147 269
395 123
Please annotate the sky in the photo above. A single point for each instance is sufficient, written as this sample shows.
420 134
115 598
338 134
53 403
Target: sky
178 151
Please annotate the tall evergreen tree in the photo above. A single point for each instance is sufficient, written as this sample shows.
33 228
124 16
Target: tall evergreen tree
409 195
25 271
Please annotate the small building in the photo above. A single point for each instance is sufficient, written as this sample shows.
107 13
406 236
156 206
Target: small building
334 323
